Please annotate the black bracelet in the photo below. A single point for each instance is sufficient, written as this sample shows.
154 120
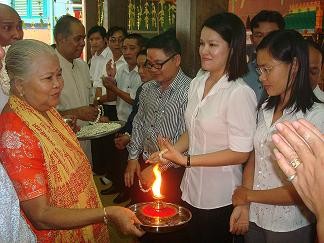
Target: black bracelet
188 161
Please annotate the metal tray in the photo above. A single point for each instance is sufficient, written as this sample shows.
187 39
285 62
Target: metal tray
103 134
173 224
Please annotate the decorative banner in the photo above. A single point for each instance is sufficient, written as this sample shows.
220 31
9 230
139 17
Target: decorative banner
151 15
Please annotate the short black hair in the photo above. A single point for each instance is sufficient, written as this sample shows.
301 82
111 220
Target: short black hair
97 29
287 46
268 16
231 28
142 52
316 46
141 41
168 43
115 29
63 25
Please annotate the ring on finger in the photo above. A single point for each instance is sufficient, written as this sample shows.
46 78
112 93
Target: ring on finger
295 163
292 177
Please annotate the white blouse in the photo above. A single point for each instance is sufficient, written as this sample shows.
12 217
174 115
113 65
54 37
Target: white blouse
268 175
224 119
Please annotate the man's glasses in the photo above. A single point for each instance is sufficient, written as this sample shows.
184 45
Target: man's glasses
158 66
266 70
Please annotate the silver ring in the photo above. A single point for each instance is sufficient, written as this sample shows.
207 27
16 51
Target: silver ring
291 178
295 163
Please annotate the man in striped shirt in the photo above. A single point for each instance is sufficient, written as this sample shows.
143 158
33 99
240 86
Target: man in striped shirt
161 112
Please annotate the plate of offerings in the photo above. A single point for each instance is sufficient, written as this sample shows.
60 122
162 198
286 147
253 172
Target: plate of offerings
99 129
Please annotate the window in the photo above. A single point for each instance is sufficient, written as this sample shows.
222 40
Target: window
31 11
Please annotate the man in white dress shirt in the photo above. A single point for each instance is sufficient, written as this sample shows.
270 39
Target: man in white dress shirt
102 54
315 67
10 31
69 34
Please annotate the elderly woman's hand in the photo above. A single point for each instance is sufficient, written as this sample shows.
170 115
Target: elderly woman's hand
125 220
303 141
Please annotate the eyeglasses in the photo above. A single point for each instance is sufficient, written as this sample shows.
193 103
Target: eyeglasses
266 70
158 66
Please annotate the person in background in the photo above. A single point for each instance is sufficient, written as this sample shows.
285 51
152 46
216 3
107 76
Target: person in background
115 36
13 227
54 184
10 31
262 24
302 140
102 54
275 209
220 124
124 135
315 67
76 95
124 86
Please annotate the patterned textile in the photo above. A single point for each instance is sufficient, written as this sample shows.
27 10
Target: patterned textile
43 157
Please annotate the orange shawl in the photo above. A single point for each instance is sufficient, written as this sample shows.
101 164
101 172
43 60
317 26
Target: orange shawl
69 174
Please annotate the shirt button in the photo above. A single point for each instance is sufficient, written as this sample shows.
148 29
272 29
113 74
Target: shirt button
258 186
163 111
260 172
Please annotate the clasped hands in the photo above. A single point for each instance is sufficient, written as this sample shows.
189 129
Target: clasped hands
239 221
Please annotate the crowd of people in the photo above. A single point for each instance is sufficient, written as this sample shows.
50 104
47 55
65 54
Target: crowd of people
240 145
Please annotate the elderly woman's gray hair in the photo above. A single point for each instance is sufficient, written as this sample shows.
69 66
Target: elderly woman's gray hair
22 54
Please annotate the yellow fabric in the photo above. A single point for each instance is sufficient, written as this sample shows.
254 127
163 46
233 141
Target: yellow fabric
70 179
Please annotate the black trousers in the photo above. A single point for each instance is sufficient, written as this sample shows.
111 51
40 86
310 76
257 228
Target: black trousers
209 226
111 112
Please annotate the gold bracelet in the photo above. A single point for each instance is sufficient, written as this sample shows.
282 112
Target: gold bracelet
106 221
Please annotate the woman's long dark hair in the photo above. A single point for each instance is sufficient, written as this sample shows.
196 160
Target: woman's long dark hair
287 46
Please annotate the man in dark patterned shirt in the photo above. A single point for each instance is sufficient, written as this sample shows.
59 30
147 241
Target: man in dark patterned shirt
161 112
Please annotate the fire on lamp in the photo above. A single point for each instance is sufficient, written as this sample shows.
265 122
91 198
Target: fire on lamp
156 187
159 216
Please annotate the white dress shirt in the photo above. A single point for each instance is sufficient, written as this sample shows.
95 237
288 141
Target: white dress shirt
268 175
76 92
224 119
98 66
319 93
98 69
127 81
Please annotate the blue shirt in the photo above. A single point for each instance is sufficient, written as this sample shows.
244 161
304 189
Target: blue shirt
252 79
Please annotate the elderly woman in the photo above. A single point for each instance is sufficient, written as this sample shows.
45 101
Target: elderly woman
43 158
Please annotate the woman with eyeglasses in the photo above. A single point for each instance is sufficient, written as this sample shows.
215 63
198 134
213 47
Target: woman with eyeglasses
277 213
220 122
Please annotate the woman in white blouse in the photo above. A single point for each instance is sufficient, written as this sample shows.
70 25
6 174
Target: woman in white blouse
276 211
220 121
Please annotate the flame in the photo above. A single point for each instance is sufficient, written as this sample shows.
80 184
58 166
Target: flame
156 187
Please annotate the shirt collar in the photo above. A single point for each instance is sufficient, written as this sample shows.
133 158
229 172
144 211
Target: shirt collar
63 61
268 113
105 52
174 83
